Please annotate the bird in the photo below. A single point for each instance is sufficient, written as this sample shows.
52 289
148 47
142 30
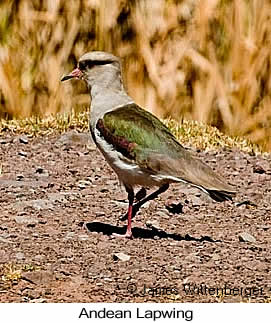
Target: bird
136 144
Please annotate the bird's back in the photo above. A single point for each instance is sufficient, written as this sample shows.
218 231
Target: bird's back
145 141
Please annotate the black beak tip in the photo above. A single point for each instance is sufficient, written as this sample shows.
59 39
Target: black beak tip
66 77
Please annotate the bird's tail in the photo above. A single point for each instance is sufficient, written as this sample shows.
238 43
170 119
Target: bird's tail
221 196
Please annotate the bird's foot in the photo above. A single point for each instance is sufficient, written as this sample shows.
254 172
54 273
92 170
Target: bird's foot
127 235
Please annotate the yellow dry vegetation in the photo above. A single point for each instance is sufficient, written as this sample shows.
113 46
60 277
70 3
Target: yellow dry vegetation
190 133
204 60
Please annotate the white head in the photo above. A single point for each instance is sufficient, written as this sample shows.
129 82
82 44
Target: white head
102 73
98 69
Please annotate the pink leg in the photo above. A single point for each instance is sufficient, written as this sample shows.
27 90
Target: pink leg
129 224
128 234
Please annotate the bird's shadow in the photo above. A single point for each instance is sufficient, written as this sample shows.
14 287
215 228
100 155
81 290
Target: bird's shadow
108 229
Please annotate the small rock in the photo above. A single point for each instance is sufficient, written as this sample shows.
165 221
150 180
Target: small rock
83 184
120 203
83 237
38 300
73 137
19 177
59 197
26 220
23 140
39 258
153 224
258 169
41 204
196 201
91 147
19 256
4 240
39 170
23 183
121 256
22 153
36 204
216 257
22 213
246 237
43 277
70 235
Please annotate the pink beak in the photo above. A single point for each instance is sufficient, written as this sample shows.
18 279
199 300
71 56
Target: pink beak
75 73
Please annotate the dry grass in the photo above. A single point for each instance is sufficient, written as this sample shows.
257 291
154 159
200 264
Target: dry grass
11 273
194 59
190 133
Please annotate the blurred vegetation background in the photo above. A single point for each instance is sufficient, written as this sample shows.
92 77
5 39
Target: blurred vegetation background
205 60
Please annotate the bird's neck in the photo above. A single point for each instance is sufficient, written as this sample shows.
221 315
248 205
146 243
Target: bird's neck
107 95
104 80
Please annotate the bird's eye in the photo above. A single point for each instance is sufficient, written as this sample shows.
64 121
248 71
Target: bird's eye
85 64
82 65
88 64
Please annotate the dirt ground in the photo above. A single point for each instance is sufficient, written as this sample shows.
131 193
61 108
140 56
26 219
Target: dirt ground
59 203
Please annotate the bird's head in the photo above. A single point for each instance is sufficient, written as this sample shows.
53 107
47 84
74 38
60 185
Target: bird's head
96 68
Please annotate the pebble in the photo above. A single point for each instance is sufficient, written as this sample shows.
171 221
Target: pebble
38 300
19 256
23 140
36 204
39 258
121 256
120 203
73 137
19 177
40 277
83 237
26 220
153 224
216 257
196 201
83 184
70 235
258 169
4 240
22 153
59 197
246 237
40 170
